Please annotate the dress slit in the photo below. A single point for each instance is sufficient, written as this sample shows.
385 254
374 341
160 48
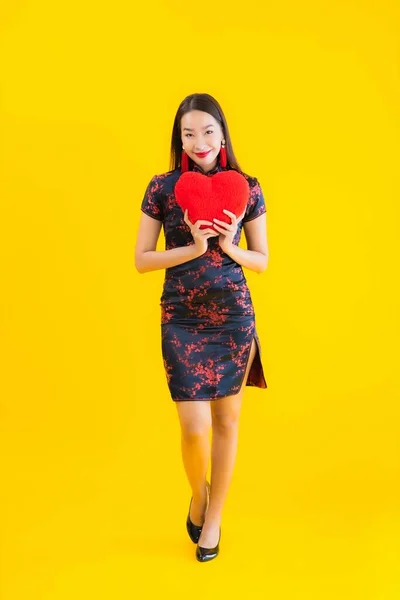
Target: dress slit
256 376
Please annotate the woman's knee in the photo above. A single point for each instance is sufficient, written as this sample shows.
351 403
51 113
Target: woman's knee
226 424
226 414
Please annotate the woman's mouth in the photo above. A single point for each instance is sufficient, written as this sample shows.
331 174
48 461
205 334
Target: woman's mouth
202 154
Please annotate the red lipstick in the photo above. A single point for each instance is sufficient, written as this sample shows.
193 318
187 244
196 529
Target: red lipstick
202 154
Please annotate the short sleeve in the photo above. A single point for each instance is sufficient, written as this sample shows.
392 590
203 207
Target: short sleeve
152 201
256 204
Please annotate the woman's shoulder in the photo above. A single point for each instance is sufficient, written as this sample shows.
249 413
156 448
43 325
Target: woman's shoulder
251 179
161 180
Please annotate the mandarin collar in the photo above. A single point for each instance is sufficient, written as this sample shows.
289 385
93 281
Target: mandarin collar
216 169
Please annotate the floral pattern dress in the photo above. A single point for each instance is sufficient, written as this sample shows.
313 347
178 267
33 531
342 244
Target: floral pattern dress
207 315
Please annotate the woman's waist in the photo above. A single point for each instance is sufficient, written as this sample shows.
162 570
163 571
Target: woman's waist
214 310
211 261
224 294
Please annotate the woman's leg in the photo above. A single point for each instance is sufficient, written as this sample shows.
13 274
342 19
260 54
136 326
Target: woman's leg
225 429
195 421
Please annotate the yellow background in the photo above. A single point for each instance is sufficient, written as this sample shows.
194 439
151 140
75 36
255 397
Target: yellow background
95 497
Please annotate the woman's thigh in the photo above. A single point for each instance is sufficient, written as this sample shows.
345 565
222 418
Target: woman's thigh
197 416
225 411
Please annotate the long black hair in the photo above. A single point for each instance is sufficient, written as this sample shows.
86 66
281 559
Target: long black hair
207 104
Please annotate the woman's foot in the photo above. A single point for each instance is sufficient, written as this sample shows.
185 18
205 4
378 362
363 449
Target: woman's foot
210 534
198 507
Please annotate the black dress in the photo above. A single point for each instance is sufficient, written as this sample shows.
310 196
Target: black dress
207 315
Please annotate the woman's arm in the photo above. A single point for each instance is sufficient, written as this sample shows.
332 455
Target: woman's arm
256 255
147 258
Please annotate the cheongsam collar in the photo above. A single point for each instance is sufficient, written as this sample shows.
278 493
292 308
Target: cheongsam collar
216 169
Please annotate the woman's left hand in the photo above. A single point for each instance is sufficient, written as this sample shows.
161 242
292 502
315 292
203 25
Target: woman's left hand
227 230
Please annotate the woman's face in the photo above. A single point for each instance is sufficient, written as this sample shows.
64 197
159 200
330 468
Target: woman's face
201 133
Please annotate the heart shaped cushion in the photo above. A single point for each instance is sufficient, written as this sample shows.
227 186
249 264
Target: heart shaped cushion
205 197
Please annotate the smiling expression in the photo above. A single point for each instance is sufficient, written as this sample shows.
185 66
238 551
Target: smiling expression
201 138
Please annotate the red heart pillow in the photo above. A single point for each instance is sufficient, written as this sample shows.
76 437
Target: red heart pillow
205 197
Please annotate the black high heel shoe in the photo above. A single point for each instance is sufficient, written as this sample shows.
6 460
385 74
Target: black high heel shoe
193 530
206 554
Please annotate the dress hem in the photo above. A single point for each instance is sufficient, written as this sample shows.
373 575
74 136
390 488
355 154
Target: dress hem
248 383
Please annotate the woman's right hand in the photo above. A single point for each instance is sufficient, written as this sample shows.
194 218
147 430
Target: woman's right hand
200 236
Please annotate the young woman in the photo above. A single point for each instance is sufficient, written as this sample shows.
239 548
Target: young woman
210 345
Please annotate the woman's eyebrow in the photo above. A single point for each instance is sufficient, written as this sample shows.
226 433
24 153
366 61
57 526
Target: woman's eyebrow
188 128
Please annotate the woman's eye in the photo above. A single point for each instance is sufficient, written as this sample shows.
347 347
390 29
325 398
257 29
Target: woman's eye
209 131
